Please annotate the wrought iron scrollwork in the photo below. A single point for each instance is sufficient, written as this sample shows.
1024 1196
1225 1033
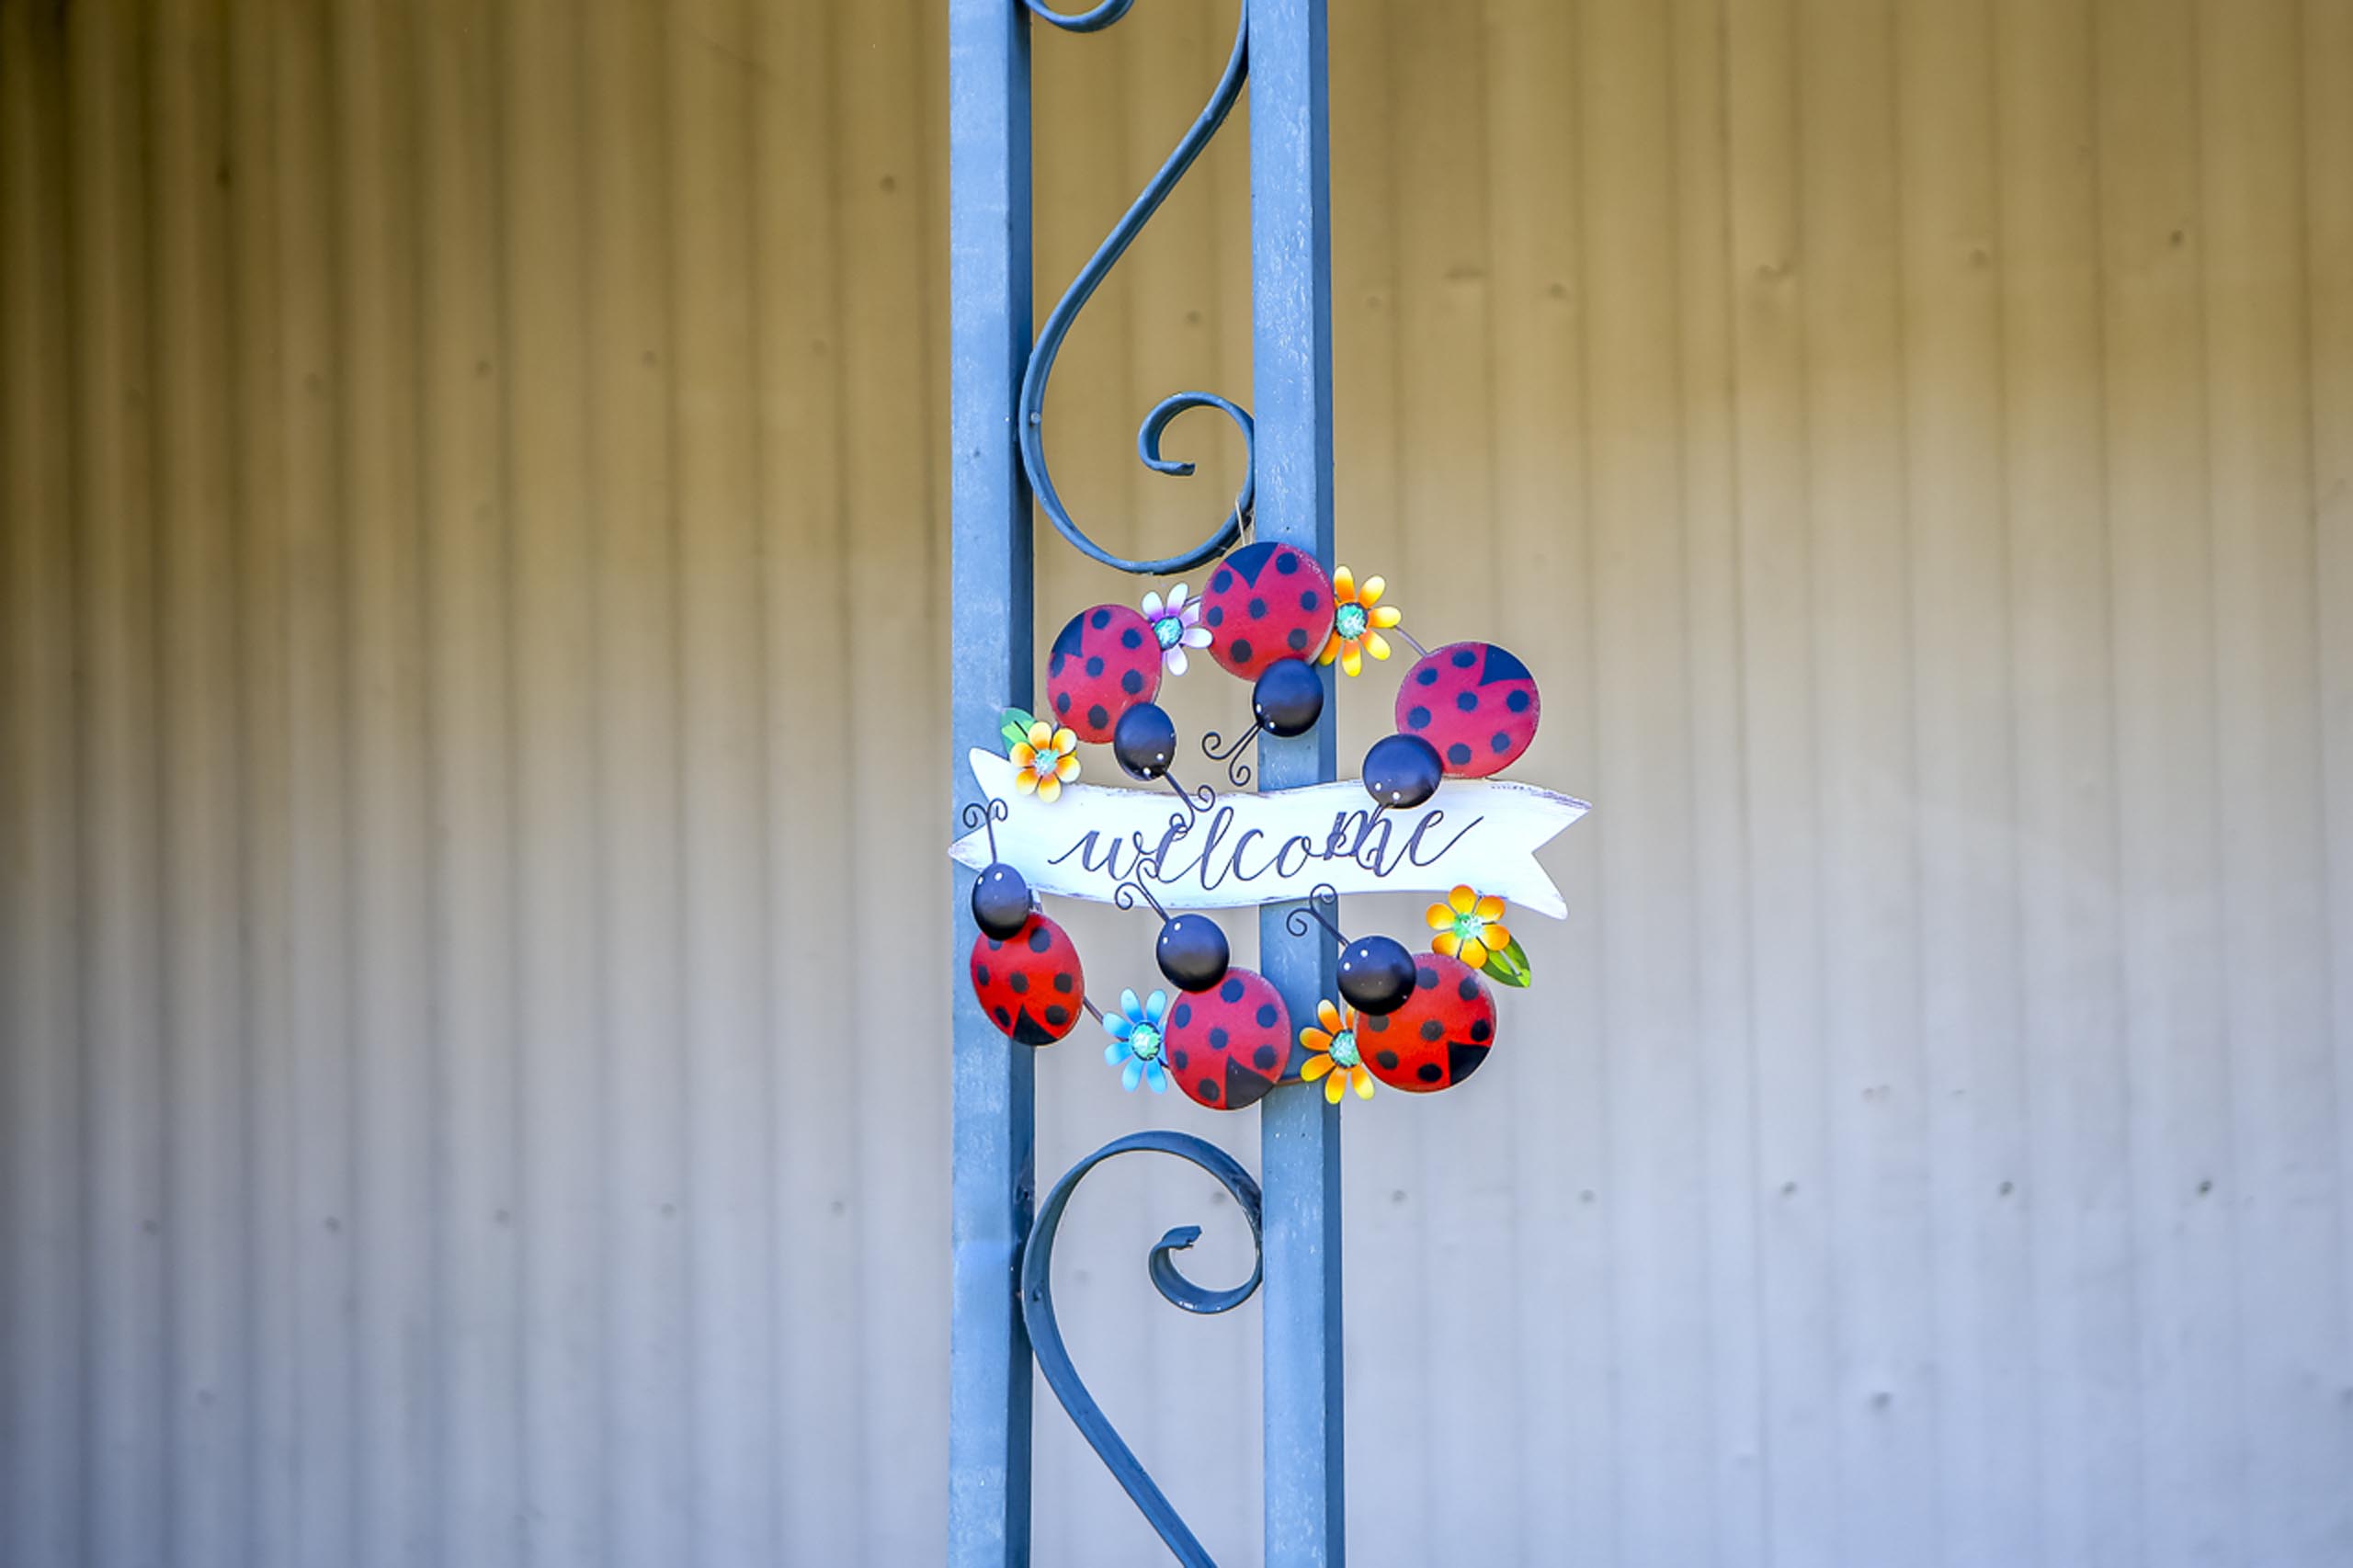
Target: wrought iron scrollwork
1082 289
1045 1336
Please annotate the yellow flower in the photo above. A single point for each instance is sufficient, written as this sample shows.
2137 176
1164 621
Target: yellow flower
1045 762
1469 927
1357 613
1332 1050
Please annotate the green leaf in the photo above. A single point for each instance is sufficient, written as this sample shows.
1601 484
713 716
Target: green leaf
1508 966
1016 726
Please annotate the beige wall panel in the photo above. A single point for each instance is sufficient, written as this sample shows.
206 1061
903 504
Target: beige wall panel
472 537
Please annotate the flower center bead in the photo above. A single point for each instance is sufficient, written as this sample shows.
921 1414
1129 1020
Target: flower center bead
1343 1048
1168 630
1468 926
1351 620
1143 1041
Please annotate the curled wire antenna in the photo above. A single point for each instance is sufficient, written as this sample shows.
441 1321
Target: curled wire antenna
1235 768
1321 893
1127 892
988 815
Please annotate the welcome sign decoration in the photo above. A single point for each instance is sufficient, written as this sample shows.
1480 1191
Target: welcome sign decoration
1428 815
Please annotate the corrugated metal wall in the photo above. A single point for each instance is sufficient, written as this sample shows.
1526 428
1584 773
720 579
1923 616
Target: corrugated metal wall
474 781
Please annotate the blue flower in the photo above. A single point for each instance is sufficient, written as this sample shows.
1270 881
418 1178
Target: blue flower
1135 1041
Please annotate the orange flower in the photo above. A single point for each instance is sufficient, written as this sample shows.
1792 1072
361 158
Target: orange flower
1332 1050
1469 927
1358 616
1045 762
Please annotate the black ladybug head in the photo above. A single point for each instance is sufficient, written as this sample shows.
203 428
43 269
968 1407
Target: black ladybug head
1402 770
1144 741
1376 974
1288 698
1000 901
1193 952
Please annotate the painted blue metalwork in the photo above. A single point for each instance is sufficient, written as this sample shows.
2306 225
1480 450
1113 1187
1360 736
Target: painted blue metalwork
989 207
1290 247
1053 1359
1082 289
999 386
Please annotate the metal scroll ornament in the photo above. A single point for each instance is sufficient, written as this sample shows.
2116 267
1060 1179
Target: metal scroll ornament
1082 289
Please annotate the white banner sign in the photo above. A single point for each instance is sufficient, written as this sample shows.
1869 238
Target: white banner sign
1263 849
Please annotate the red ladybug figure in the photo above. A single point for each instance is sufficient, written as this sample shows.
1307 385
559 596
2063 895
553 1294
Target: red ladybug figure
1104 662
1228 1046
1441 1034
1267 602
1474 703
1030 983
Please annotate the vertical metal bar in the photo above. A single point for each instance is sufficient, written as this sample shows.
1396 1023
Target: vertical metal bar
988 224
1300 1135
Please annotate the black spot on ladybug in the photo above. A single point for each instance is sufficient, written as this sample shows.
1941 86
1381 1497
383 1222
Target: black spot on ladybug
1184 1013
1218 1037
1388 1060
1102 618
1265 1056
1425 977
1040 939
1210 1094
1378 1024
1216 616
1230 992
1057 1015
1501 666
1518 701
1130 638
1501 742
1132 682
1466 700
1096 718
1429 1071
1307 597
1427 675
1432 1029
1003 1019
1462 1060
1458 754
1469 989
1286 562
1267 1016
1257 610
1417 718
1480 1031
1019 980
1062 703
1297 639
1177 1058
1463 658
1063 982
1095 667
995 943
1240 649
1222 582
983 978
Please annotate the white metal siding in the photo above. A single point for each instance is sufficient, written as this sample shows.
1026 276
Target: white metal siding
472 784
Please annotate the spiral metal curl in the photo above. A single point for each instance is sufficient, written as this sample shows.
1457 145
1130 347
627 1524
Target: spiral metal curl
987 814
1090 277
1236 768
1046 1338
1296 922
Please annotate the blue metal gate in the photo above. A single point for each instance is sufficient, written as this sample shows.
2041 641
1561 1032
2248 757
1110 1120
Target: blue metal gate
1003 1255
